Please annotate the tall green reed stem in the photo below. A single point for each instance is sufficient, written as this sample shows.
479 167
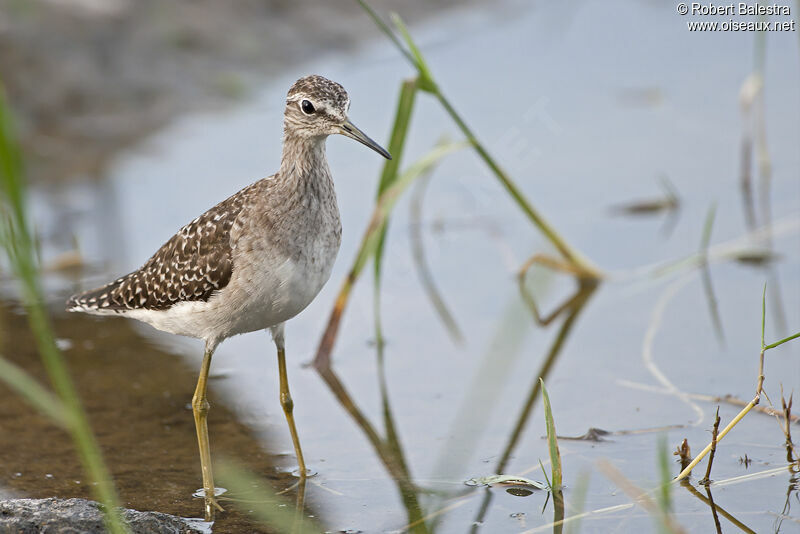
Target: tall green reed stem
427 83
18 243
371 240
391 170
756 399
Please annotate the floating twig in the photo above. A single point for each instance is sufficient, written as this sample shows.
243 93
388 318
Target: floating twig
669 202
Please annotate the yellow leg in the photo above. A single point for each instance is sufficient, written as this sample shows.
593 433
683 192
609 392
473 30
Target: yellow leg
200 409
288 407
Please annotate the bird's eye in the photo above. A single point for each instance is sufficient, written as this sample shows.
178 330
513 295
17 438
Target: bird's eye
307 107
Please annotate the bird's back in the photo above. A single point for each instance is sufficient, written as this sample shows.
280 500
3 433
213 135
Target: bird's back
192 265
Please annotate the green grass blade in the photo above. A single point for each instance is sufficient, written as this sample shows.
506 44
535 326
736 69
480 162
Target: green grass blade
546 478
519 198
670 190
269 508
707 227
763 314
18 244
402 119
389 198
426 82
578 503
423 271
782 341
552 441
10 167
763 320
385 29
558 512
37 395
370 240
708 287
664 493
405 106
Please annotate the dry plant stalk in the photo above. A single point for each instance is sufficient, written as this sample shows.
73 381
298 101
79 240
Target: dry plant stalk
706 480
787 423
585 286
684 452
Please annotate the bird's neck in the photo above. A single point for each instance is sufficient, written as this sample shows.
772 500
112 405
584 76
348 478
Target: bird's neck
303 157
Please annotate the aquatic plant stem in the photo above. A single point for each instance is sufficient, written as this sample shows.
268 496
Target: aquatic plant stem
683 474
756 399
552 441
423 271
706 480
426 82
389 175
16 238
370 241
586 269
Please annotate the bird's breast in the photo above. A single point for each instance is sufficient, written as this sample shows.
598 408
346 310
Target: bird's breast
286 265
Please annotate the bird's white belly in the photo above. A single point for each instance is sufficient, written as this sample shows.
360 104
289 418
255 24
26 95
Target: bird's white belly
285 289
264 292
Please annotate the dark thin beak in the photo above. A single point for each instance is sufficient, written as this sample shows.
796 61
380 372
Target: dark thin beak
350 130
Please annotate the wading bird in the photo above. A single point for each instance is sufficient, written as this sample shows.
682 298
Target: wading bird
251 262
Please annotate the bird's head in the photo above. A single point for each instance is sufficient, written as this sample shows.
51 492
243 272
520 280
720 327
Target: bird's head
316 107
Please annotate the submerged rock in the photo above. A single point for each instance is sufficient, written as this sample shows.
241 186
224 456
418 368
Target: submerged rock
72 516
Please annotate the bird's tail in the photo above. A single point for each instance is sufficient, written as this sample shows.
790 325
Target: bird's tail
97 300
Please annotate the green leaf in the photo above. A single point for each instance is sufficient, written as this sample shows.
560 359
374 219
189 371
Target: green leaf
388 199
405 106
425 81
37 395
552 441
709 224
664 495
16 239
782 341
763 314
385 29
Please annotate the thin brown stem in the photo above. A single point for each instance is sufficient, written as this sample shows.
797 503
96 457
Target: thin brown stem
787 427
683 474
706 481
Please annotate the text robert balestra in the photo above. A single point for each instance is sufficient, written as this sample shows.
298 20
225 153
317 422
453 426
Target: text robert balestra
742 8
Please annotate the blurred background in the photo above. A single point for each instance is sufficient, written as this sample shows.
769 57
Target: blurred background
669 158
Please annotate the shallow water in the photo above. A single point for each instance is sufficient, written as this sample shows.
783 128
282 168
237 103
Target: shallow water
586 109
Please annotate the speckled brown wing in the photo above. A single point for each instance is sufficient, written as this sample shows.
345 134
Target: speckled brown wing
193 265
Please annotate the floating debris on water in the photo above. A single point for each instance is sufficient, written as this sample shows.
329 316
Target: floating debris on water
504 480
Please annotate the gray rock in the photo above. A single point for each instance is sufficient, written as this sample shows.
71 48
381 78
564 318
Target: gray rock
79 516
